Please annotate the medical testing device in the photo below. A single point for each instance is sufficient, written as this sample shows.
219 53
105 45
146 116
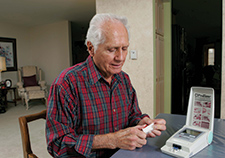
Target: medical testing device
197 133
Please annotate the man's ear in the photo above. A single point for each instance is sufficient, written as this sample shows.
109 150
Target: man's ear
90 48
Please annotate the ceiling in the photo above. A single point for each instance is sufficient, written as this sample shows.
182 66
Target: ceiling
29 13
198 17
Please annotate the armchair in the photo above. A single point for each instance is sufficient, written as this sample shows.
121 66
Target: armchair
30 85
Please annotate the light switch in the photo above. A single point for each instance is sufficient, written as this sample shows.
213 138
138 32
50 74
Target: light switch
133 54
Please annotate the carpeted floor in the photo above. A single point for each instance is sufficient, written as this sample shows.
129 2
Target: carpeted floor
10 137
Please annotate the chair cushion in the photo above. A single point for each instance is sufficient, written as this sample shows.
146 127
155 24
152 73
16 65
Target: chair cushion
36 94
30 81
33 88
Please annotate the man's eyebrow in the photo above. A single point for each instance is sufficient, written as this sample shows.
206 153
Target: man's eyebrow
110 47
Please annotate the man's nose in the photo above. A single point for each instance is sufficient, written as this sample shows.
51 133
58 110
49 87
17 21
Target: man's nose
119 54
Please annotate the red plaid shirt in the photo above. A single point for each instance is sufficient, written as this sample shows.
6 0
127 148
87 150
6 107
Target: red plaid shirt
82 104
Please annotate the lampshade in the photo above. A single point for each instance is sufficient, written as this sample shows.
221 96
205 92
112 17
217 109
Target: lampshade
2 64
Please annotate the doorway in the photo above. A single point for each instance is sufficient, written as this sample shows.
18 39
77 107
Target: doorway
79 49
196 50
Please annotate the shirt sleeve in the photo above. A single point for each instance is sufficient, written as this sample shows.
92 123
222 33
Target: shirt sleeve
61 123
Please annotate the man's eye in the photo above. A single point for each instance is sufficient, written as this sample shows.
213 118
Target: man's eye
124 48
112 50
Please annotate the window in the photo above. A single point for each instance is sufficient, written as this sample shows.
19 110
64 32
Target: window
211 54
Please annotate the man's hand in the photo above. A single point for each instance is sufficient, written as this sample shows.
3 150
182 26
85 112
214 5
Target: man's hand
128 139
159 125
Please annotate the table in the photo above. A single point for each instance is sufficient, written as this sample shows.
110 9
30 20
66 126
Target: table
174 123
14 92
3 93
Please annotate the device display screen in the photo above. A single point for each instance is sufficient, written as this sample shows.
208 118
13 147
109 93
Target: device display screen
188 134
191 132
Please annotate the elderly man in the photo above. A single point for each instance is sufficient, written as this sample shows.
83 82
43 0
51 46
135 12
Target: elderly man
92 106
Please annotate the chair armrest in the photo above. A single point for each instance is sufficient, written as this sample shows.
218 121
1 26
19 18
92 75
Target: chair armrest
19 84
32 156
20 88
23 122
42 83
44 88
21 92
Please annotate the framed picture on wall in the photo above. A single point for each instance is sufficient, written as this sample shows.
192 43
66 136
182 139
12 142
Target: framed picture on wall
8 50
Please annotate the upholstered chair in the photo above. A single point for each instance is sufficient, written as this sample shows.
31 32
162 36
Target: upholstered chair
30 85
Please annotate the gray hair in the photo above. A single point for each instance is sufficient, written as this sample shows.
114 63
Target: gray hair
95 32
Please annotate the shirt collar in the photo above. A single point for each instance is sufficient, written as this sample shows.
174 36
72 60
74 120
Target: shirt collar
94 74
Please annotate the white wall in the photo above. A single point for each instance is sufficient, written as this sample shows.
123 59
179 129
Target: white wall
140 19
50 49
22 42
46 46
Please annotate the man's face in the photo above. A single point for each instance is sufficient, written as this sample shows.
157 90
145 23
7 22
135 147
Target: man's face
110 55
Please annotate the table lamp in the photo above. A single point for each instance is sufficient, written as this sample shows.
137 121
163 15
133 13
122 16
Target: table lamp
2 66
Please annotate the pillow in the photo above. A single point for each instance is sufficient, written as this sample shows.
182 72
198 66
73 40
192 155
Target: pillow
30 81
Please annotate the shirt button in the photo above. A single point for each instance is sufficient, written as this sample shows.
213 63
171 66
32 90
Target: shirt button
115 129
114 110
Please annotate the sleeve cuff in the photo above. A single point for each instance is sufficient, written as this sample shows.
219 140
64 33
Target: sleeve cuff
84 144
137 120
